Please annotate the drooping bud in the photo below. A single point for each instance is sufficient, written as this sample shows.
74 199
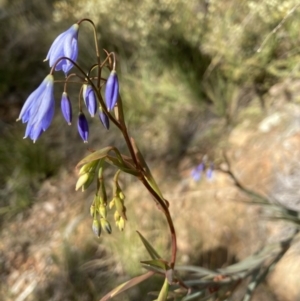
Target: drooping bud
111 203
102 211
112 90
96 227
103 118
120 207
105 225
121 223
82 180
89 181
90 99
83 127
86 175
116 217
88 167
66 108
121 195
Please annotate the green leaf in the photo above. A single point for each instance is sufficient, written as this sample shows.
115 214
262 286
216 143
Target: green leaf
154 269
102 153
126 285
163 295
192 296
198 270
149 248
121 165
157 263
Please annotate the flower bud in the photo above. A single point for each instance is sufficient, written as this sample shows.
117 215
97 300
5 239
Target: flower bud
120 207
105 225
90 99
121 224
89 181
83 127
88 167
96 227
103 118
103 211
121 195
81 180
111 203
66 107
116 216
112 90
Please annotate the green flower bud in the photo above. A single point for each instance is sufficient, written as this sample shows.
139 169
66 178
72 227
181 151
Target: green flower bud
116 216
89 167
89 181
120 207
81 180
103 211
121 223
105 225
111 203
121 195
96 227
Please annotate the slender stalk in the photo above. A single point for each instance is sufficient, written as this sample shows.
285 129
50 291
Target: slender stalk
166 211
96 48
156 196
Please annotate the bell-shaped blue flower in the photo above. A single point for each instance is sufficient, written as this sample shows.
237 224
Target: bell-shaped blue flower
66 107
65 45
38 109
103 118
90 99
83 127
197 172
112 90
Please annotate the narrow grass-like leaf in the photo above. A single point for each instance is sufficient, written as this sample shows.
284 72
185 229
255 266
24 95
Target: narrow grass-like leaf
163 295
158 263
192 296
100 154
198 270
126 285
152 252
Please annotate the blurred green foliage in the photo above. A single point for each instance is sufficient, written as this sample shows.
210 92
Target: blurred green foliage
23 169
205 43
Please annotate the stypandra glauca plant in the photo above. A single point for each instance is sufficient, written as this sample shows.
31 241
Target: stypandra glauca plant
100 95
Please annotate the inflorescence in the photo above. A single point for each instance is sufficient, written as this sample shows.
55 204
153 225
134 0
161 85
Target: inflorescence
38 110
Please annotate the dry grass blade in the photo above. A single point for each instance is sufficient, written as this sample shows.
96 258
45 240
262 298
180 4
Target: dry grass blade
125 286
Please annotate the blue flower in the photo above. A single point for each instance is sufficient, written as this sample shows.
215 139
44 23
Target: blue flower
197 172
66 107
90 99
112 90
83 127
38 109
103 118
210 171
65 45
